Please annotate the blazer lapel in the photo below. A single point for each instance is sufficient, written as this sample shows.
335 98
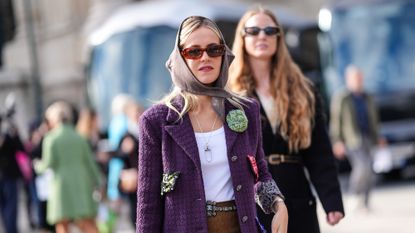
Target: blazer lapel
183 134
264 117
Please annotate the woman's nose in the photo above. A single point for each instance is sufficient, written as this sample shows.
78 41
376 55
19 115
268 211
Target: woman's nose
205 56
262 34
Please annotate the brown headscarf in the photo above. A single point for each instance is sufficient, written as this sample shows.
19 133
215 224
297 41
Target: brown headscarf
184 79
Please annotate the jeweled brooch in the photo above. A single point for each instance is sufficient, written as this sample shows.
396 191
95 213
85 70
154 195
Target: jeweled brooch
168 182
237 120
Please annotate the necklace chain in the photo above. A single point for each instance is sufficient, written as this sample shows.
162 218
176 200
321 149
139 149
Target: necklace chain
206 146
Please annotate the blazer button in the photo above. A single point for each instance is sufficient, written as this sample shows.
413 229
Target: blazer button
234 158
244 218
310 202
238 187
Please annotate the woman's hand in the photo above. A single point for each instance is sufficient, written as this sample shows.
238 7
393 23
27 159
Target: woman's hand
339 150
280 220
334 217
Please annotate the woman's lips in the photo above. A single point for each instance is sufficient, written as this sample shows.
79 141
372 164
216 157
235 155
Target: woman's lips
206 68
261 46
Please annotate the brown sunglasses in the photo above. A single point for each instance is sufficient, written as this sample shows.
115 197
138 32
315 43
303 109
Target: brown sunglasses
213 50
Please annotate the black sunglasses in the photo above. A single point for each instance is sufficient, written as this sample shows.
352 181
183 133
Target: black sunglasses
269 31
213 50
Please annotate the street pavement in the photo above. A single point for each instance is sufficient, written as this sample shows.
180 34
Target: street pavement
392 211
123 224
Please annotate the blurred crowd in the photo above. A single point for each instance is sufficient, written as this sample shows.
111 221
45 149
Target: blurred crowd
70 172
74 173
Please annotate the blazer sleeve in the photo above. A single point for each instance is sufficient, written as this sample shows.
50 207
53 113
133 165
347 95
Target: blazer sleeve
149 201
319 161
266 189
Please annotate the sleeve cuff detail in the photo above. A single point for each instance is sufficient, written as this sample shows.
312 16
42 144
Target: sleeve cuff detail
266 194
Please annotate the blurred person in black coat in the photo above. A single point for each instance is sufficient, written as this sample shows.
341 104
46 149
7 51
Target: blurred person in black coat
10 173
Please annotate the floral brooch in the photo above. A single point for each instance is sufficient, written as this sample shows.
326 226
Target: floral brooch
237 120
168 182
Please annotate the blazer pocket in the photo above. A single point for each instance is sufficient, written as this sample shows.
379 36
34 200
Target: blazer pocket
169 181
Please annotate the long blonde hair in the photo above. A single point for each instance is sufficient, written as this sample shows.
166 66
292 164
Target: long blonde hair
190 100
296 101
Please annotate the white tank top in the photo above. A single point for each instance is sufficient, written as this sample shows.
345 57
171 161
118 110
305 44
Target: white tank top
215 166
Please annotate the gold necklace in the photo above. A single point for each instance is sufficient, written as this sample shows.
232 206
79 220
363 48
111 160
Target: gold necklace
207 150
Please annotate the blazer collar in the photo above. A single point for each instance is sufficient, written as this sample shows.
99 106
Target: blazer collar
182 132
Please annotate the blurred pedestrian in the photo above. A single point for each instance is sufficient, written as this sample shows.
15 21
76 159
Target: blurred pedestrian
198 172
75 173
354 129
10 173
37 131
295 138
32 202
87 126
118 124
128 152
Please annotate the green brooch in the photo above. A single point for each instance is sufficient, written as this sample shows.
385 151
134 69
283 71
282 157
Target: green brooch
168 182
237 120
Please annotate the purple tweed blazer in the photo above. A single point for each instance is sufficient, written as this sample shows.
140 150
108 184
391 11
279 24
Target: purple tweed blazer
168 146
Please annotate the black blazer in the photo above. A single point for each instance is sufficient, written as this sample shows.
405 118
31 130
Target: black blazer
293 181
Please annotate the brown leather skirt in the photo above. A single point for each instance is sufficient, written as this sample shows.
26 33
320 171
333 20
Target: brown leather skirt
224 222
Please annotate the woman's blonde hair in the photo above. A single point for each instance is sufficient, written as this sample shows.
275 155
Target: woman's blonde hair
295 106
59 112
191 100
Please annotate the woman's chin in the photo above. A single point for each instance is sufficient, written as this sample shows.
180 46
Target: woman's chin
263 55
208 81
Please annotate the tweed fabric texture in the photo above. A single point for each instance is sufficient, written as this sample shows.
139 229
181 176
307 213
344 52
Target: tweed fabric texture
265 195
168 146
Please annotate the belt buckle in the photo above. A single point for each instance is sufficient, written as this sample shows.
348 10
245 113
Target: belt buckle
275 159
211 208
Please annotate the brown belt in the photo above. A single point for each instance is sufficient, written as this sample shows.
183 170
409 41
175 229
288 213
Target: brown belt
213 207
275 159
225 219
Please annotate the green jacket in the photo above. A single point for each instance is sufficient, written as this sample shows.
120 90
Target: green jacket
343 120
75 175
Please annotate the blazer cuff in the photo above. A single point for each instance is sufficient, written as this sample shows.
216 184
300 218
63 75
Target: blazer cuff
266 194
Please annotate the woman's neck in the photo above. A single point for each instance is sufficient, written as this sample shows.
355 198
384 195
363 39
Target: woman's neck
261 71
203 116
203 103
